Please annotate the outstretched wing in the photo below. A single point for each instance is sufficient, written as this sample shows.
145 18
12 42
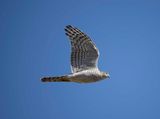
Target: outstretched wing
84 54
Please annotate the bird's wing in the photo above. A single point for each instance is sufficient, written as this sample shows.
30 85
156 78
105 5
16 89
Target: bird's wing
84 54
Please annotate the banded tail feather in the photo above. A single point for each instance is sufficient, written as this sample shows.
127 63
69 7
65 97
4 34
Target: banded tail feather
56 79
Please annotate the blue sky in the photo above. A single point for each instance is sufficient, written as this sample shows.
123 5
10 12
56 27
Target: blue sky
33 45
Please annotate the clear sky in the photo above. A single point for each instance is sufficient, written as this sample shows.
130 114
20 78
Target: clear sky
33 45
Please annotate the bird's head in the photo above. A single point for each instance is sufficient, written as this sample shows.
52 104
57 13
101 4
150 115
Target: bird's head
105 75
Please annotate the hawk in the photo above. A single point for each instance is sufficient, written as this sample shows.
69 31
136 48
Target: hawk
84 60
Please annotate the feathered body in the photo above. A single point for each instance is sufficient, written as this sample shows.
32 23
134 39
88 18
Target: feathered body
84 58
86 76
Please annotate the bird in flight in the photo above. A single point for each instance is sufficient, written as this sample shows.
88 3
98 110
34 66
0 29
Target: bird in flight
84 60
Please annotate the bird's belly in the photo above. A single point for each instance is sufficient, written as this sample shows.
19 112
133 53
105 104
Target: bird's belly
85 78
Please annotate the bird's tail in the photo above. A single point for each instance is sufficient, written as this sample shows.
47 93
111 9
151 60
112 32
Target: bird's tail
56 79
